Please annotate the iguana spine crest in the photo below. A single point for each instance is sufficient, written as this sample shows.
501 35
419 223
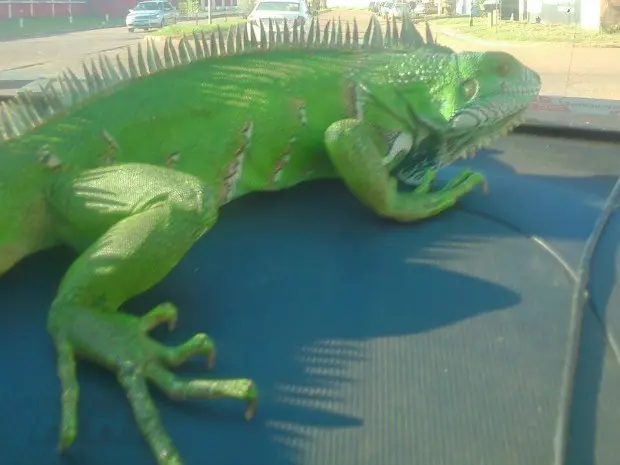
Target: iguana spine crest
20 116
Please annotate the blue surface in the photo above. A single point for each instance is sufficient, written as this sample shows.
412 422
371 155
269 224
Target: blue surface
372 343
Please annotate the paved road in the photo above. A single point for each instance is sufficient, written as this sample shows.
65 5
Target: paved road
28 59
566 70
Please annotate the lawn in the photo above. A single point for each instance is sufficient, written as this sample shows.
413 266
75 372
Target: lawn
37 27
530 32
188 29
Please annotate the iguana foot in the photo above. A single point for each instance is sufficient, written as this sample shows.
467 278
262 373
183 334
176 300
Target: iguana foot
120 342
358 150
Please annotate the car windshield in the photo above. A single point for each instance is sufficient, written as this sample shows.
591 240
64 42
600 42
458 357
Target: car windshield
278 6
355 140
149 6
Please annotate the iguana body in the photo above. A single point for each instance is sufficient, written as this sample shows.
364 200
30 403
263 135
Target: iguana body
132 171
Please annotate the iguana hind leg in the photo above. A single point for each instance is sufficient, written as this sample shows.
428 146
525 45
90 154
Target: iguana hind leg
357 151
139 220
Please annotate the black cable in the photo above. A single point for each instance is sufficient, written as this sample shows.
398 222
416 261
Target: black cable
578 302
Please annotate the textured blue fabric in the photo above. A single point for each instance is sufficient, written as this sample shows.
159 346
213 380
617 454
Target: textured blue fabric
370 342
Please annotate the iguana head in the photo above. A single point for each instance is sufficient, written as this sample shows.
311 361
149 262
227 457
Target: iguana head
24 221
451 103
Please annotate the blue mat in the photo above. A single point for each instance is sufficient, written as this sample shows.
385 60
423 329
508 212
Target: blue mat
371 343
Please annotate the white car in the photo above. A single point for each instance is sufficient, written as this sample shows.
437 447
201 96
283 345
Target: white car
420 9
384 8
151 15
278 11
397 10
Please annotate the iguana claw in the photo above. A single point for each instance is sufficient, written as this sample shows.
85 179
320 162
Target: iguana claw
120 342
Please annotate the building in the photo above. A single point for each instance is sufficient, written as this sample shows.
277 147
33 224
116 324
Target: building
587 14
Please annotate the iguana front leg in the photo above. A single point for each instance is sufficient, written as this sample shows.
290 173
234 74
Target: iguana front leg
134 223
357 151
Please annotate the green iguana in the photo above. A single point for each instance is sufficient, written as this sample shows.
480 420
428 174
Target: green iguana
131 165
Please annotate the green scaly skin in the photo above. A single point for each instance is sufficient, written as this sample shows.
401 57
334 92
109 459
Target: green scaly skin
133 175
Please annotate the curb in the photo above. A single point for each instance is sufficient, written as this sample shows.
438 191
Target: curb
487 43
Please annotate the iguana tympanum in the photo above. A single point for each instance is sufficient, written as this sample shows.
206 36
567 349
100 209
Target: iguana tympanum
130 165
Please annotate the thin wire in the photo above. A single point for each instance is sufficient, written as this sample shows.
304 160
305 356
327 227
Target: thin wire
578 301
570 61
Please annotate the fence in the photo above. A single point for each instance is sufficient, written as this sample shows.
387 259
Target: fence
42 8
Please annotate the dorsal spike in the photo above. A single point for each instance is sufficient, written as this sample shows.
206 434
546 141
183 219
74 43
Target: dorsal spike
176 61
356 35
121 68
183 51
168 54
72 91
6 128
200 53
286 38
270 30
30 106
332 34
22 109
311 33
253 42
239 41
429 34
156 56
131 64
230 41
205 44
387 40
215 50
81 91
98 80
91 83
142 69
12 125
150 56
263 35
366 42
298 34
220 42
49 100
409 35
189 49
325 39
376 38
278 38
303 37
395 38
108 71
347 34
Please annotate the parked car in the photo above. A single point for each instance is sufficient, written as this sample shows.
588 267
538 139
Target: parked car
374 6
421 9
383 10
397 10
151 15
278 11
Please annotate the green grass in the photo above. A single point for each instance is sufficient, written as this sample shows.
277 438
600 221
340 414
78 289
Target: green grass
178 30
33 27
528 32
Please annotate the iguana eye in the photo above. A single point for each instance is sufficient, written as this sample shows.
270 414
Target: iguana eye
503 69
470 89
